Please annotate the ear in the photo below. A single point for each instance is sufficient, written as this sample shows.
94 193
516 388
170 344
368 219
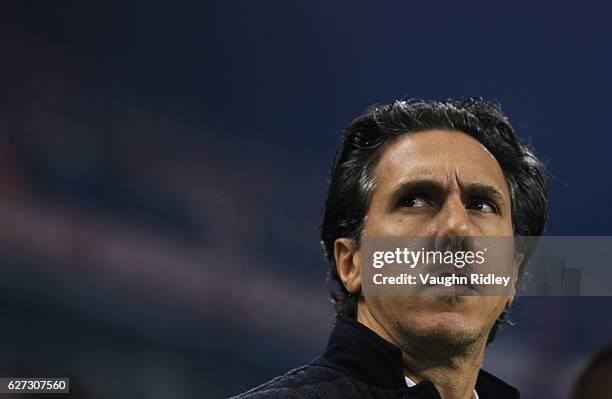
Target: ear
518 260
346 255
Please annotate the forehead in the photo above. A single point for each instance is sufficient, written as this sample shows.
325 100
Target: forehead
441 155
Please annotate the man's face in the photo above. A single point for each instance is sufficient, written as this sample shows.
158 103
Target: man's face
438 183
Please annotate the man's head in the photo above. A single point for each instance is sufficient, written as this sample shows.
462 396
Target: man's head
452 168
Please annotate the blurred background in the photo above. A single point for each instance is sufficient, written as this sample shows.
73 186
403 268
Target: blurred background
163 167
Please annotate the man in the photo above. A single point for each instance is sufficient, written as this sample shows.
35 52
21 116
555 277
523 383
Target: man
435 169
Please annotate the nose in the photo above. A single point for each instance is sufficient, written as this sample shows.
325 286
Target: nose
453 228
453 219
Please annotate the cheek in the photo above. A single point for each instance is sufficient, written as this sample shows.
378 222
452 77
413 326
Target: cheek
497 305
397 225
379 224
387 308
507 229
494 226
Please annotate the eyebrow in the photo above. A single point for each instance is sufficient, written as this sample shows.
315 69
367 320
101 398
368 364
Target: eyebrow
487 191
415 186
419 185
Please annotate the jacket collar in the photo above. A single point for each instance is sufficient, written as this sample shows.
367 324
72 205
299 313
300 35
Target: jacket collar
359 352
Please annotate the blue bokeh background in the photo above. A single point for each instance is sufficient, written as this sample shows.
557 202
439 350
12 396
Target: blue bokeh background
163 166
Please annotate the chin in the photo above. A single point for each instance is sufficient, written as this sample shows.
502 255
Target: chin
441 333
452 328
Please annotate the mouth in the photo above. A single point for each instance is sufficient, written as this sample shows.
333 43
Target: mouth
460 285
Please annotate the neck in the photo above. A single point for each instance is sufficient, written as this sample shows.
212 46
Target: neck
452 371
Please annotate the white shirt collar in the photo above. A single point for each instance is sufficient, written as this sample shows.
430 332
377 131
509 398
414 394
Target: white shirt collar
411 383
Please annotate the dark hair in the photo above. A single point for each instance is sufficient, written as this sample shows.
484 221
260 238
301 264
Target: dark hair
365 139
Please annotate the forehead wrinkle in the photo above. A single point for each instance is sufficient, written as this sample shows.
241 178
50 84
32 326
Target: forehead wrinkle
394 158
412 174
501 192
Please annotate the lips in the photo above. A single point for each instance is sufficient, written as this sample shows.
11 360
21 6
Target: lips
460 274
456 289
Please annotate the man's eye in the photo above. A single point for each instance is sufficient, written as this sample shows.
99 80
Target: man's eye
482 206
414 202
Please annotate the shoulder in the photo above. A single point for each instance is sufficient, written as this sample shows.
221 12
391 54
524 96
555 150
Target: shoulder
311 381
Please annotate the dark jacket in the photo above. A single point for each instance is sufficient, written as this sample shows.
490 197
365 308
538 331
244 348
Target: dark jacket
358 363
